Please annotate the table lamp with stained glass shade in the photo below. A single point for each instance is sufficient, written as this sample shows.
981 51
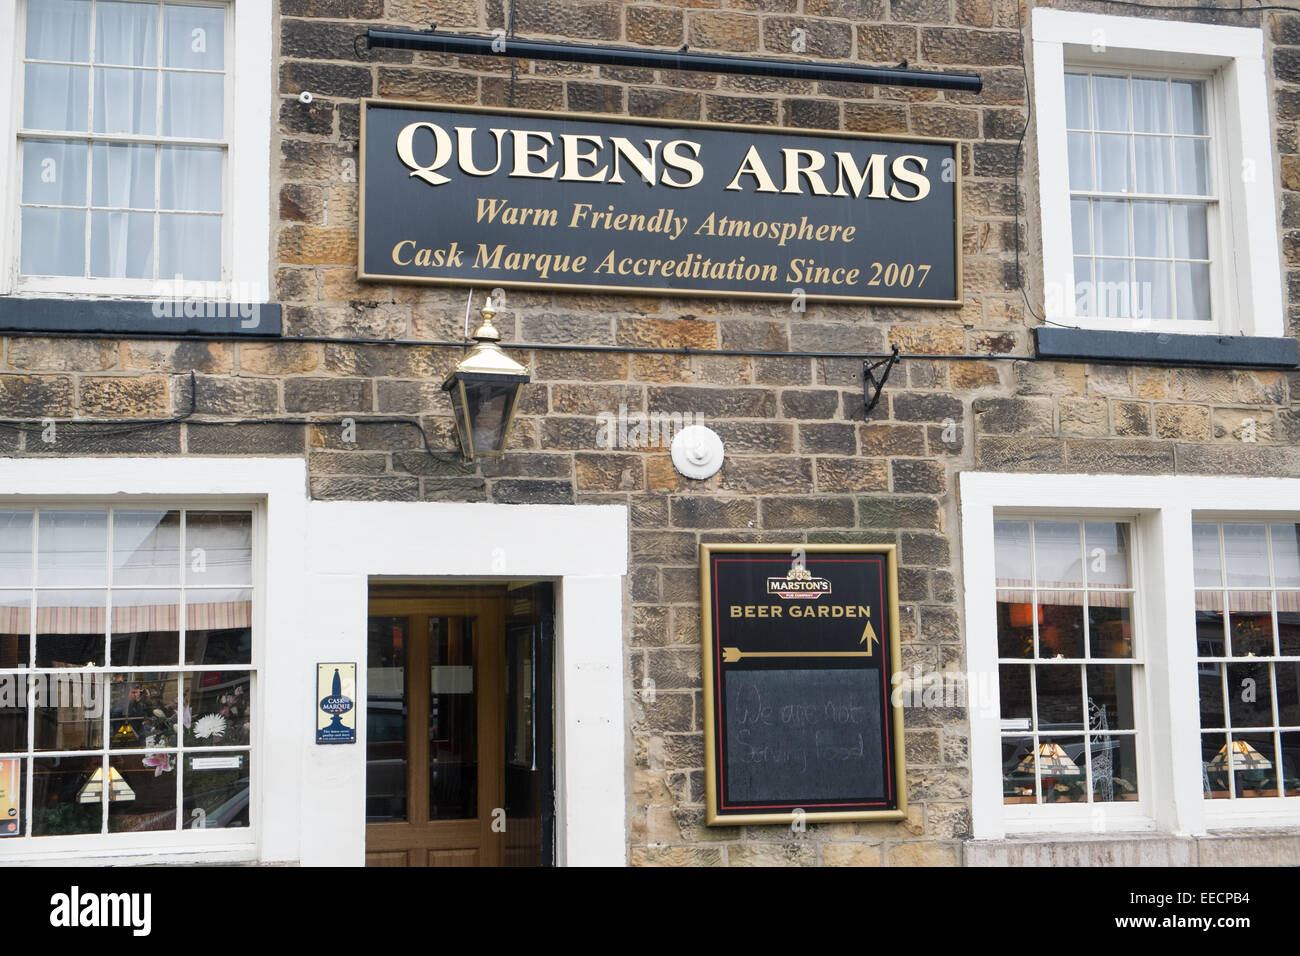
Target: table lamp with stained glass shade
484 390
1052 761
118 788
1244 757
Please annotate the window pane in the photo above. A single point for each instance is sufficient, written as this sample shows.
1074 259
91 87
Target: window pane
68 711
1254 765
66 796
1110 102
218 626
191 179
1287 676
1288 627
1080 145
146 628
1114 768
54 172
1193 290
1110 623
1290 757
126 33
1112 163
1079 227
1110 697
1061 766
1214 766
126 101
194 37
1083 298
1151 106
190 247
1250 621
216 791
1286 555
143 710
1250 695
1114 288
1060 696
1246 554
59 30
1015 624
73 547
386 642
15 631
70 628
1019 785
1189 106
1107 543
1011 551
219 547
15 547
123 176
1076 101
1191 231
121 244
1192 166
146 547
1205 555
1210 678
13 716
56 97
152 779
1060 626
1111 227
219 705
1151 229
54 242
1210 624
1058 553
1154 284
192 105
1013 692
1151 159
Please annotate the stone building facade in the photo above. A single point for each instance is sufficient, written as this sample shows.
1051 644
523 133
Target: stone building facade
973 392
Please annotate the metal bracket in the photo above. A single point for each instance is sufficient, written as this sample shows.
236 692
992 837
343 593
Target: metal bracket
871 388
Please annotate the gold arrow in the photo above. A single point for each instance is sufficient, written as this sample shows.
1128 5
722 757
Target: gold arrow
869 634
732 654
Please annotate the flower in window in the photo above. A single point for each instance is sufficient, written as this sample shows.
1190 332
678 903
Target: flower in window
210 725
161 763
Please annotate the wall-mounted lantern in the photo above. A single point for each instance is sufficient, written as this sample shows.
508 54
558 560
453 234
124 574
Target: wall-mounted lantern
484 391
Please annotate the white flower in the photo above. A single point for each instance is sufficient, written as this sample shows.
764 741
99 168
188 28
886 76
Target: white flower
210 725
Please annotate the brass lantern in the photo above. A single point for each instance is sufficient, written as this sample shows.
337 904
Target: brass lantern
484 391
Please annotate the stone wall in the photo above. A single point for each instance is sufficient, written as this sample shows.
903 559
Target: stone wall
802 464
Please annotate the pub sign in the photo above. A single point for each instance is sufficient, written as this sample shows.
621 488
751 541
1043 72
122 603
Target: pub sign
800 649
528 199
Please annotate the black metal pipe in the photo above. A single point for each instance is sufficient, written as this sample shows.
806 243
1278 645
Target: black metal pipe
668 59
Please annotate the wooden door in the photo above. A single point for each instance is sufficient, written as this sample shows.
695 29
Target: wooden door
434 767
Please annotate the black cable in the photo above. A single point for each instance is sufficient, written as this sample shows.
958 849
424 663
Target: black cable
128 425
510 32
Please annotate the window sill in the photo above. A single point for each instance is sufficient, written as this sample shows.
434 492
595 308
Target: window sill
165 316
1163 348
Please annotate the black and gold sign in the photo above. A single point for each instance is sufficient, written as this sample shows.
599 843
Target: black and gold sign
800 646
576 201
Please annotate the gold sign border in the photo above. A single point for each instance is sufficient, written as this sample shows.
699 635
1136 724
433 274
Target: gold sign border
712 817
364 276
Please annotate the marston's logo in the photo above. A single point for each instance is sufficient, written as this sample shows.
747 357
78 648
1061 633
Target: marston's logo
798 583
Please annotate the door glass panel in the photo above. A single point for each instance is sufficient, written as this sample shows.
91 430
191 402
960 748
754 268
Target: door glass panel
453 719
386 719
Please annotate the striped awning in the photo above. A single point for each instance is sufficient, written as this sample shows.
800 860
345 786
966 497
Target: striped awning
130 619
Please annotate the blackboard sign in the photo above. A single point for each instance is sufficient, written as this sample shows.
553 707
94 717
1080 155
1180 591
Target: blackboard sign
800 646
531 199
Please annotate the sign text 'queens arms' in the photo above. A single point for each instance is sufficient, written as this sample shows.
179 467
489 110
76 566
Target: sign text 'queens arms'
528 199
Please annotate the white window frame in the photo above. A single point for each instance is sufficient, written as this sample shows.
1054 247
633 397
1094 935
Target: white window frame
246 219
1166 691
1246 278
